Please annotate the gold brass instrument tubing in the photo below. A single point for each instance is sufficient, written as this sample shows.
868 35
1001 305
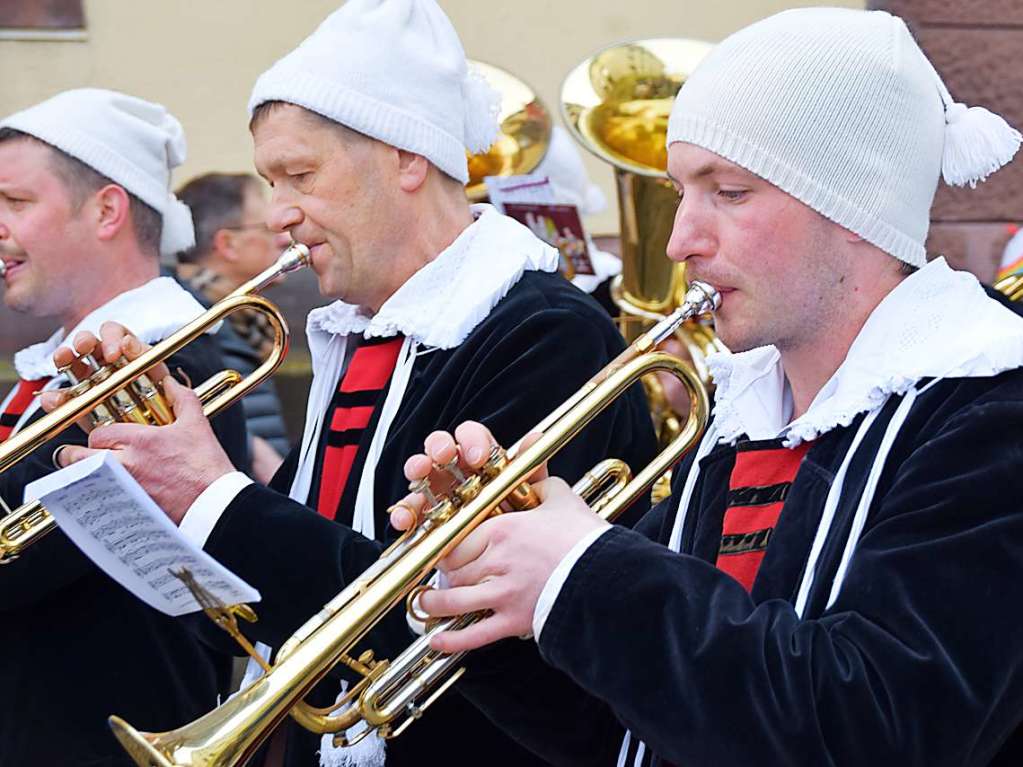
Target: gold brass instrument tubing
1011 286
123 392
388 701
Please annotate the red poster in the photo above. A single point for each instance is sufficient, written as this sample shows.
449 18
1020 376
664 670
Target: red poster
560 226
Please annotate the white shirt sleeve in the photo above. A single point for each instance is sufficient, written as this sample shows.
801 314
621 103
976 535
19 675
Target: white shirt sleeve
552 588
204 513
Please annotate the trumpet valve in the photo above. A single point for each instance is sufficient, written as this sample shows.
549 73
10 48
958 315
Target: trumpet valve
452 468
440 511
423 487
495 463
467 489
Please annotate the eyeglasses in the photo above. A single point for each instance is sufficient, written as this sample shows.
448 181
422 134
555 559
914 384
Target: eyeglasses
243 227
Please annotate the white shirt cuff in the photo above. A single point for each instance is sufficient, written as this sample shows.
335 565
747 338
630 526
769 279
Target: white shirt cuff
204 513
552 588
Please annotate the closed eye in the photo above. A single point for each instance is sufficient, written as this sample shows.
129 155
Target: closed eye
733 195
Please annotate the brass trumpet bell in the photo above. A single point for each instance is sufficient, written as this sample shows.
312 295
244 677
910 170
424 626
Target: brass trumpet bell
524 136
392 694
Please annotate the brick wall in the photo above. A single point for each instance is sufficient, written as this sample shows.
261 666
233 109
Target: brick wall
974 45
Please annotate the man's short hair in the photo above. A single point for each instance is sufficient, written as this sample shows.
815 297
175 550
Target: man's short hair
216 201
81 182
346 134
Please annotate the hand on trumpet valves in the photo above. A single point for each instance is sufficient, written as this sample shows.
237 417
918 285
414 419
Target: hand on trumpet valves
504 564
173 463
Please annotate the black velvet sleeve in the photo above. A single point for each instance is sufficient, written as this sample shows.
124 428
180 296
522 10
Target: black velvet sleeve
54 562
919 660
508 375
542 707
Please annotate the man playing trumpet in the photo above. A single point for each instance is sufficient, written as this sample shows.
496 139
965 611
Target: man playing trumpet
85 212
446 312
833 580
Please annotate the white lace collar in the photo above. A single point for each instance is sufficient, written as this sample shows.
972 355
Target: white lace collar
442 302
151 311
937 323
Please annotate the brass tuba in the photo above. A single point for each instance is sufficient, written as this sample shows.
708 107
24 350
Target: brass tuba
523 137
123 392
617 104
392 695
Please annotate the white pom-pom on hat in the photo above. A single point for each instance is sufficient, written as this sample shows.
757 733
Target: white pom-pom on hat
178 228
482 111
977 143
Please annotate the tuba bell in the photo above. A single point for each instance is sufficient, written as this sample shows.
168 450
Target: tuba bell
617 104
523 137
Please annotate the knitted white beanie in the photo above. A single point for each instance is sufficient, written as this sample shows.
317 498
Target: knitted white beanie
134 143
841 109
394 70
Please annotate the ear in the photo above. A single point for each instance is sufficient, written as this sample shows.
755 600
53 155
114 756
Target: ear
412 170
223 245
112 211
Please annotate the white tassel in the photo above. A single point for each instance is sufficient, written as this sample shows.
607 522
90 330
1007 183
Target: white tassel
368 752
977 143
482 110
178 230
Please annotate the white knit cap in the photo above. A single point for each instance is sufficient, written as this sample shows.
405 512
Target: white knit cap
134 143
394 70
841 109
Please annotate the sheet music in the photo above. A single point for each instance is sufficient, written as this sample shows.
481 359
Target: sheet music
531 188
115 523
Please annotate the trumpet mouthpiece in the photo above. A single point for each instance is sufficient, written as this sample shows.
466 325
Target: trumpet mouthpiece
702 298
294 257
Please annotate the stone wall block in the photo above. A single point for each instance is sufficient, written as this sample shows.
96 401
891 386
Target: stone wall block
961 12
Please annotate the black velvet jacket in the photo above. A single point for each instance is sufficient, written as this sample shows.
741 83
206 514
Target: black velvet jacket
537 346
919 661
76 647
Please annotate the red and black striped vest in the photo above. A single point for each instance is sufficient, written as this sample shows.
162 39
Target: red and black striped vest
757 490
350 412
18 403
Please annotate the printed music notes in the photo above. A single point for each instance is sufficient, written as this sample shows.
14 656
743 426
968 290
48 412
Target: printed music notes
108 515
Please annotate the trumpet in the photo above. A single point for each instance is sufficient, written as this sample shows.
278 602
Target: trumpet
124 392
391 695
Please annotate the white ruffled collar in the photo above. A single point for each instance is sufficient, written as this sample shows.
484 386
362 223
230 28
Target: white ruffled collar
937 323
152 311
445 300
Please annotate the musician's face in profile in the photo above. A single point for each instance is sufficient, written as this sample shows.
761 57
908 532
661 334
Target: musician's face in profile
334 191
776 262
43 237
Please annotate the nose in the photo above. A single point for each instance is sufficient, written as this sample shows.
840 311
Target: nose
282 216
692 233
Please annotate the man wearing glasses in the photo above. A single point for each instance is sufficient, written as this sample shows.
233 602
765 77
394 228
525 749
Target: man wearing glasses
232 245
